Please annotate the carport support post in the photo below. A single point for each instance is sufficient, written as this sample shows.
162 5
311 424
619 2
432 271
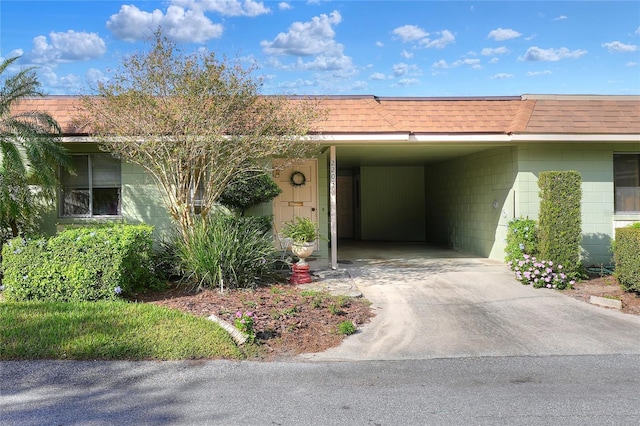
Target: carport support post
332 207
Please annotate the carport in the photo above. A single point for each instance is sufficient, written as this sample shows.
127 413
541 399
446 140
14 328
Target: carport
396 192
435 170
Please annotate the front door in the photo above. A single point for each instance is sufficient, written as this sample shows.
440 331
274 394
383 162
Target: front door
299 196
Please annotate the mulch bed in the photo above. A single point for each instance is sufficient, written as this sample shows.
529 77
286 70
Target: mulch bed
288 321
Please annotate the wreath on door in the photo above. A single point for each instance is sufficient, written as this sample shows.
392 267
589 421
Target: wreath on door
297 179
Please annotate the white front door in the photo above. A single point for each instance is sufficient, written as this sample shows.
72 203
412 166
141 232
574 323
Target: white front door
298 198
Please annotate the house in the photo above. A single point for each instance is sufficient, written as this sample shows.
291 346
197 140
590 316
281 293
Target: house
447 171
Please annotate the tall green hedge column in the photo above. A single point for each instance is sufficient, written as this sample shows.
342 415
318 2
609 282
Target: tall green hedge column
559 222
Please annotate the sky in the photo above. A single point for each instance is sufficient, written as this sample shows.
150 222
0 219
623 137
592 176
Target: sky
344 47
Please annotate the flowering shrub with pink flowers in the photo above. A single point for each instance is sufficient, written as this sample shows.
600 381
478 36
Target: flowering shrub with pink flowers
244 322
540 273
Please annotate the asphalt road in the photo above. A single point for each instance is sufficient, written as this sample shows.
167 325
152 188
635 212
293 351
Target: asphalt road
567 390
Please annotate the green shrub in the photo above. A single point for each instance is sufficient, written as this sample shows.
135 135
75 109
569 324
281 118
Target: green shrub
347 328
522 238
559 222
248 189
627 257
81 264
228 251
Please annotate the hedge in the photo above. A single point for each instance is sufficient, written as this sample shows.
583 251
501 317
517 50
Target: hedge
559 220
626 254
81 264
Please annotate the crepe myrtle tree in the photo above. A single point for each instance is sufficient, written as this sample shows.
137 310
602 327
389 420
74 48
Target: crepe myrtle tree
193 121
30 154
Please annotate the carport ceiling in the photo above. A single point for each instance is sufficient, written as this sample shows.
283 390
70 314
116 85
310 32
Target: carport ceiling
402 154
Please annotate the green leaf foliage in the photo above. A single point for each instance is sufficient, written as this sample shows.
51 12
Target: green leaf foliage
301 230
522 238
229 251
81 264
248 189
627 257
559 221
30 154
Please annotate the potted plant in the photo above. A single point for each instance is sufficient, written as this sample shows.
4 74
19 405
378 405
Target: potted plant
303 233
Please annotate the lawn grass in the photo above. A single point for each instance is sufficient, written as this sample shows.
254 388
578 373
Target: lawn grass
108 331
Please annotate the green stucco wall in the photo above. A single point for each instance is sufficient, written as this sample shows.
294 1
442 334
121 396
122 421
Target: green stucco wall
470 200
393 203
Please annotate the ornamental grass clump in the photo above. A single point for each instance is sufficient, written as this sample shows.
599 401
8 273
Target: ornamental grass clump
227 251
540 273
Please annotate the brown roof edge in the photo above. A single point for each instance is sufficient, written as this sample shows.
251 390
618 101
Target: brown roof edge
549 97
450 98
330 133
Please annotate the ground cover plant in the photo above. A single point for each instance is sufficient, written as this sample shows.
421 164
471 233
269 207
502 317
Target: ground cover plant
108 331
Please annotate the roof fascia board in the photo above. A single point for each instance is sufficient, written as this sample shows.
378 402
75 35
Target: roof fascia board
403 137
561 137
359 137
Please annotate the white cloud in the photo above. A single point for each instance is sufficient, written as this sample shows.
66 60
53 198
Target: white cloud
618 47
442 64
494 60
379 44
560 18
637 32
379 76
631 64
537 54
313 38
69 46
284 6
359 86
226 7
446 37
187 26
406 82
413 33
297 84
405 69
409 33
405 54
537 73
501 76
95 75
306 38
489 51
503 34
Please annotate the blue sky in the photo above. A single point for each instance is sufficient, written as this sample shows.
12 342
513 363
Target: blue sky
384 48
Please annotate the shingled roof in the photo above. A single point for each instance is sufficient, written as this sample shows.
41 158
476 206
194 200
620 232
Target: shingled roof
527 114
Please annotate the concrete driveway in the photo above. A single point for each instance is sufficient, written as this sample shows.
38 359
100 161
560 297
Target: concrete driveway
433 303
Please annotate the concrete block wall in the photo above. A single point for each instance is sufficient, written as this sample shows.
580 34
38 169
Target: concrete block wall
471 198
594 162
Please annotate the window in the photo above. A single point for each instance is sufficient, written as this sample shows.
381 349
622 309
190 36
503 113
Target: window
626 171
94 190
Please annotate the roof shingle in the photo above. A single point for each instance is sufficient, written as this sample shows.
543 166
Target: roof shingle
369 114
